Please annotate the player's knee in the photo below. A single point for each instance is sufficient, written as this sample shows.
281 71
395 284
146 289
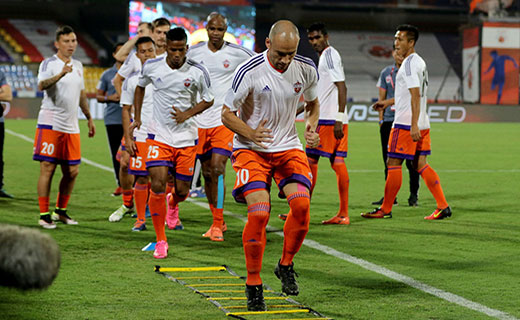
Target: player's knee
72 172
218 171
141 180
300 207
206 172
158 186
258 215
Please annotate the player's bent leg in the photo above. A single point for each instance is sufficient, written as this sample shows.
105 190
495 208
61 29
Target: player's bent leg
157 204
126 181
141 200
180 194
172 213
47 170
433 183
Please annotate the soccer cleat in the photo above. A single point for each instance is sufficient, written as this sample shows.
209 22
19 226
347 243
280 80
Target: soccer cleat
376 214
117 192
119 213
439 214
198 193
179 225
161 250
282 216
380 202
214 233
47 225
337 220
146 215
4 194
412 200
255 298
139 225
224 226
172 215
286 275
61 215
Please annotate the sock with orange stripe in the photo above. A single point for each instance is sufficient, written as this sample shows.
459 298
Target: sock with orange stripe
343 184
296 226
157 204
141 198
433 183
254 239
62 201
394 180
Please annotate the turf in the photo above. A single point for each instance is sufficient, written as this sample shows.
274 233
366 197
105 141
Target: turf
474 254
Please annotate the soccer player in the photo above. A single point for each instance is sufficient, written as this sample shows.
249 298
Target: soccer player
6 95
173 137
106 93
261 108
386 85
57 139
410 135
215 140
135 146
499 78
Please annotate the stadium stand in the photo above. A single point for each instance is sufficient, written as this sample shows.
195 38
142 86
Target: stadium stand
91 76
4 56
21 79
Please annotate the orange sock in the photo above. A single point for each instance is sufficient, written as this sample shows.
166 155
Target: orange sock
343 183
434 184
175 200
296 226
394 180
313 164
128 198
157 204
63 200
43 202
170 187
141 198
253 240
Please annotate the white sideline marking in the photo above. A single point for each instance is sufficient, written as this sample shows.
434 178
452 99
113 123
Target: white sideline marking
450 297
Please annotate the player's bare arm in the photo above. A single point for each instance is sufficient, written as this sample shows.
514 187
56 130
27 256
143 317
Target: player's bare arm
118 82
6 94
181 116
383 104
83 104
258 136
138 105
47 83
416 109
312 115
342 102
102 97
126 115
382 96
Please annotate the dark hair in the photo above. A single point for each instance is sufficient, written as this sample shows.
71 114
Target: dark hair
317 26
63 30
114 48
177 34
143 40
159 22
412 32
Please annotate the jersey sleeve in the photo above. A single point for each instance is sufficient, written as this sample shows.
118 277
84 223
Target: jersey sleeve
127 91
335 67
144 76
205 90
80 67
239 91
411 75
381 82
102 83
45 70
311 91
128 66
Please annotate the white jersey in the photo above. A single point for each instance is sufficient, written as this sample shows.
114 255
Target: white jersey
177 88
60 102
260 92
330 69
127 98
132 64
221 65
412 74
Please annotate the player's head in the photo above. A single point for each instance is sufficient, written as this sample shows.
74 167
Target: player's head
282 44
405 38
494 53
144 29
216 27
66 42
116 48
160 28
318 36
176 47
145 49
397 57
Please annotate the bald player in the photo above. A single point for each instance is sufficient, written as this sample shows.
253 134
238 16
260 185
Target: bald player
215 140
261 108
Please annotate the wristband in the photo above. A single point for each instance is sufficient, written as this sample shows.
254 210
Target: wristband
380 121
339 117
106 98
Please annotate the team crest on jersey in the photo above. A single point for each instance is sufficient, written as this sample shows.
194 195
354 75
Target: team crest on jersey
187 82
226 63
298 87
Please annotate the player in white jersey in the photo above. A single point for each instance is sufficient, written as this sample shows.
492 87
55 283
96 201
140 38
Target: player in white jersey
134 154
215 140
57 138
410 135
177 82
261 108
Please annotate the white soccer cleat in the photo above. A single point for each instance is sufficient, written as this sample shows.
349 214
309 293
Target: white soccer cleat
119 213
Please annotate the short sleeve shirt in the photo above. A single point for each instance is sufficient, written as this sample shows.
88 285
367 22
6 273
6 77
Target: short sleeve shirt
386 81
112 114
127 98
330 69
3 82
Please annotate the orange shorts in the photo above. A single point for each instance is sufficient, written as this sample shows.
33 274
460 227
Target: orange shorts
255 170
56 146
180 160
214 140
121 149
329 146
402 146
137 165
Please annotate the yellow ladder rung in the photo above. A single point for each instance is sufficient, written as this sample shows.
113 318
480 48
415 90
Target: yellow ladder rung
269 306
191 269
221 291
244 313
216 285
209 277
244 298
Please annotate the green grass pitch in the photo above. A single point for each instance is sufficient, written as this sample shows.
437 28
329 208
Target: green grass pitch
475 254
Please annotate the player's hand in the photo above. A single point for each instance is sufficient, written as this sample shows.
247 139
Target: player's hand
133 125
379 105
262 134
415 133
178 115
91 128
311 137
67 68
114 97
338 130
130 146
